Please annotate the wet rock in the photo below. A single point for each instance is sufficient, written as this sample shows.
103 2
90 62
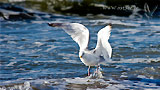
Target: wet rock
134 9
130 9
13 12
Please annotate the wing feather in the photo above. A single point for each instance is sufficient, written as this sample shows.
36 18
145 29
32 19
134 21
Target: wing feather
78 32
103 47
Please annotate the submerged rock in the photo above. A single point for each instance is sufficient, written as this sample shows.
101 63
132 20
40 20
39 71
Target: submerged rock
13 12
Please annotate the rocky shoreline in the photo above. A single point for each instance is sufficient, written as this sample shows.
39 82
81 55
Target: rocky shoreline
16 11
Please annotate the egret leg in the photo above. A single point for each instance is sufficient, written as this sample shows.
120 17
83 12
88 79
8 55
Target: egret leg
89 71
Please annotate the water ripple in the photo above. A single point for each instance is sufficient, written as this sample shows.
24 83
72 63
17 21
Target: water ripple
36 56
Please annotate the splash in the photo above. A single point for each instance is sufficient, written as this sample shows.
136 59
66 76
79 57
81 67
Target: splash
97 74
17 86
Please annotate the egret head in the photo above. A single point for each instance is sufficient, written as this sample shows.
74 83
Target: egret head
81 53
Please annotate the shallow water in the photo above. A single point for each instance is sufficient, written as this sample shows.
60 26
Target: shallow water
36 56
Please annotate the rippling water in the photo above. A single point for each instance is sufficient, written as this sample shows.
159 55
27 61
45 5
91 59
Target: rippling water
36 56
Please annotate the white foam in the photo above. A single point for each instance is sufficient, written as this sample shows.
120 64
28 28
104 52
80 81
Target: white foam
11 64
38 44
137 60
81 83
51 48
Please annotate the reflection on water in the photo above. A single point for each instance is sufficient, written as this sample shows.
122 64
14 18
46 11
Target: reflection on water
36 56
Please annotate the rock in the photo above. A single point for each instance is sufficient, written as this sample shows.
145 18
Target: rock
13 12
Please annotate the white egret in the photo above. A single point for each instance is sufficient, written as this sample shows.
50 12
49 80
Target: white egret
80 34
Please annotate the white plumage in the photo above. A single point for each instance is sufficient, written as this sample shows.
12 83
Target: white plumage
80 34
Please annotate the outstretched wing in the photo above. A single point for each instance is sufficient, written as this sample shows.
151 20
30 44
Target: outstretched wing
78 32
103 47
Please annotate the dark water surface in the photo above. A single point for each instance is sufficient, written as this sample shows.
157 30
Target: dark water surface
34 56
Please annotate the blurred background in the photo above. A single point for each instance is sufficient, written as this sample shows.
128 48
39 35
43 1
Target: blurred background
139 8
